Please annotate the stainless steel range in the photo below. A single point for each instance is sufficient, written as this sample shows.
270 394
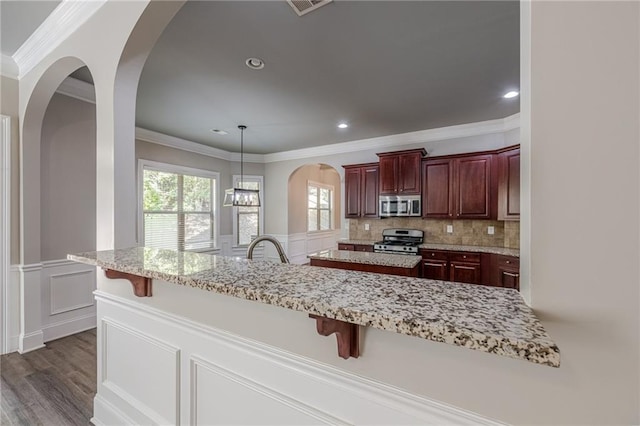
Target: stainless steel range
399 241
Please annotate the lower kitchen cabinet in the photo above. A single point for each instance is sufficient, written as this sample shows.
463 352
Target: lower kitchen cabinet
508 273
459 267
435 265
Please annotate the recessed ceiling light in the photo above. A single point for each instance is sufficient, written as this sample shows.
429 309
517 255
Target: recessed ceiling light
255 63
342 125
511 94
219 132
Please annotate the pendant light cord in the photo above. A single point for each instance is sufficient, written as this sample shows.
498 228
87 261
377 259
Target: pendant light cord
242 127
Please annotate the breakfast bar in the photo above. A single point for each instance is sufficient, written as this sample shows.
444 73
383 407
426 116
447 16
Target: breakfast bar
480 318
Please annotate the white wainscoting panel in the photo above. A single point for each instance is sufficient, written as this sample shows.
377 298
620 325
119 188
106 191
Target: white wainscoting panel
67 298
303 244
220 397
141 370
31 336
224 378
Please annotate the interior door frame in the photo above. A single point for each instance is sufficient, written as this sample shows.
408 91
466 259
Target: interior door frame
5 229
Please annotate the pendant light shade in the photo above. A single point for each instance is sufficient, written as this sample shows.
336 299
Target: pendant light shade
240 197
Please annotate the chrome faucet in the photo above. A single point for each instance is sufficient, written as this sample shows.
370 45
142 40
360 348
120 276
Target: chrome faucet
283 256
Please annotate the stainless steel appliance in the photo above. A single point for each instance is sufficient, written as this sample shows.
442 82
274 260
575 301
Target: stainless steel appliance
399 205
399 241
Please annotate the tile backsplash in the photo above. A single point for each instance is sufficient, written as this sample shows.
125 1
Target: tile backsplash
465 232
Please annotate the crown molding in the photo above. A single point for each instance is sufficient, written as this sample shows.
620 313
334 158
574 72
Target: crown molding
77 89
385 142
500 125
60 24
8 67
197 148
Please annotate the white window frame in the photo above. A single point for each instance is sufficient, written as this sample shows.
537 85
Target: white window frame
332 207
172 168
236 182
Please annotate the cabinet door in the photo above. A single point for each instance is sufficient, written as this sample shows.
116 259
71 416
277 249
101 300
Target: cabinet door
409 173
437 194
389 175
509 185
369 191
434 269
509 277
352 182
462 272
473 188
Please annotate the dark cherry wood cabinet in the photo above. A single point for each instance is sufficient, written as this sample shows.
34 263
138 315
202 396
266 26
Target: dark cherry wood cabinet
400 172
453 266
508 272
460 187
435 265
355 247
475 187
509 184
437 189
361 190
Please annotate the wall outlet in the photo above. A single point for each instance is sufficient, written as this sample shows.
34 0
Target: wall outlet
449 229
366 226
491 230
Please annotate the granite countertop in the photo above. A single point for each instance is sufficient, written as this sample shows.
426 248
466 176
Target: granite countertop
474 249
367 258
487 319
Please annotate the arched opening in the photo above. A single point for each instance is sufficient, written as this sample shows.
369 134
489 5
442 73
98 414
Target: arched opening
313 224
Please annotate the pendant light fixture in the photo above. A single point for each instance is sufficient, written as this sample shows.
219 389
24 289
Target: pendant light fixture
241 197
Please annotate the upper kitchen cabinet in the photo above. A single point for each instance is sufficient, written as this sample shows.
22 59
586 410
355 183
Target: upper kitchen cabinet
361 190
460 187
509 184
400 172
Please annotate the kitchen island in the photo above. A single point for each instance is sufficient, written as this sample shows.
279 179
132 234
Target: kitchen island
392 264
208 335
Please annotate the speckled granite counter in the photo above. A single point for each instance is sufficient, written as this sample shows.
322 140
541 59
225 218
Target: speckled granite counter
474 249
487 319
367 258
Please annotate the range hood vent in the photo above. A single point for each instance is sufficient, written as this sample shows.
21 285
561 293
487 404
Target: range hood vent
305 6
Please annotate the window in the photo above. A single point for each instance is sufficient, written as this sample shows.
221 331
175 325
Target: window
320 207
178 206
248 221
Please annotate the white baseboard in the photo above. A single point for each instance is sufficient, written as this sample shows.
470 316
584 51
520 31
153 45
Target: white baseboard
105 413
30 342
68 327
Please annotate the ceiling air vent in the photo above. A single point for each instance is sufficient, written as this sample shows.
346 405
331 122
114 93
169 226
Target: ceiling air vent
305 6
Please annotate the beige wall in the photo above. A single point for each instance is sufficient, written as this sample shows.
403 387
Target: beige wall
163 154
9 107
297 194
68 178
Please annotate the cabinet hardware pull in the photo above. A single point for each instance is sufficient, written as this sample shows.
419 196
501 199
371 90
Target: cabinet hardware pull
507 262
509 274
464 257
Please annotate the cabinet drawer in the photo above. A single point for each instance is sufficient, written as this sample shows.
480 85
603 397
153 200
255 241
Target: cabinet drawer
349 247
363 247
508 262
434 254
464 257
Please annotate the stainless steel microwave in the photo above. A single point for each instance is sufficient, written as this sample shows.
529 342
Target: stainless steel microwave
406 205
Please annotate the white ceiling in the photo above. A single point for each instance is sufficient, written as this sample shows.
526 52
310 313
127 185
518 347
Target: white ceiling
383 67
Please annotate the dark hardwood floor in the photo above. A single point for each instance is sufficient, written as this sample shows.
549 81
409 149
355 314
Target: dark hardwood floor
51 386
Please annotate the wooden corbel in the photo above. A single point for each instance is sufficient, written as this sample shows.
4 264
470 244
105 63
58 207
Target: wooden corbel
141 285
347 335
